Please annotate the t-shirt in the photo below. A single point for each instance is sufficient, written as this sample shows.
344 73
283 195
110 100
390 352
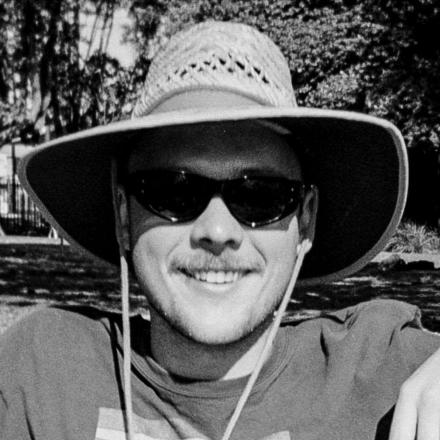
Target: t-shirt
332 377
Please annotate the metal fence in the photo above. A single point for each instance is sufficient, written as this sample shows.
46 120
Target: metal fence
18 214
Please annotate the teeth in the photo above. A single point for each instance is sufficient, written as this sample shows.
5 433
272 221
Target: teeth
216 277
213 277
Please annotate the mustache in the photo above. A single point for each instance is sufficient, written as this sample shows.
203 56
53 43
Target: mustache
227 262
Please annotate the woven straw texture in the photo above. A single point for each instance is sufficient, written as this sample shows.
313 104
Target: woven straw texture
218 56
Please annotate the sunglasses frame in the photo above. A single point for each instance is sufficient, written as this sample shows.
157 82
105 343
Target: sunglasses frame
298 189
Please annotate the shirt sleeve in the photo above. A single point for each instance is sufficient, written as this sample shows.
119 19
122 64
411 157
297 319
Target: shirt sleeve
13 364
419 344
12 418
57 368
367 352
392 329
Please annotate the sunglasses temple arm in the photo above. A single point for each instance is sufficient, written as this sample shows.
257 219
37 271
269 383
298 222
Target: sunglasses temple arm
126 338
303 248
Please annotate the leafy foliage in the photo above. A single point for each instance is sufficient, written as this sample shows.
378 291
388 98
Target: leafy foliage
46 85
411 237
373 56
381 58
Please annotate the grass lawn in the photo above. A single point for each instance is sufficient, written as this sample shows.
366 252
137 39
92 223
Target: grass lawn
33 275
38 275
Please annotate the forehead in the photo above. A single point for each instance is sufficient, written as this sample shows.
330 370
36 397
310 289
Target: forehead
218 150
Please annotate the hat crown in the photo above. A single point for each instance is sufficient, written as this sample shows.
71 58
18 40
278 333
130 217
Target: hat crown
221 56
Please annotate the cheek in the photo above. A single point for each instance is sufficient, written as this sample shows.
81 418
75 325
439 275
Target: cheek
146 250
278 244
151 235
147 261
150 256
282 262
278 248
152 240
152 246
141 222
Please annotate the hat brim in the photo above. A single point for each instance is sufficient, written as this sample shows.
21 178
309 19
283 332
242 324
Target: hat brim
358 163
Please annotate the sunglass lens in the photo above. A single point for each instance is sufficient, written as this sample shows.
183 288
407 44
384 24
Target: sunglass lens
179 196
258 201
176 196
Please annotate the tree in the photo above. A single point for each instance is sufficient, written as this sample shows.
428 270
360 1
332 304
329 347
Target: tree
46 85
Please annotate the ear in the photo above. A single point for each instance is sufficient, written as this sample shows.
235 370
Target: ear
122 222
307 220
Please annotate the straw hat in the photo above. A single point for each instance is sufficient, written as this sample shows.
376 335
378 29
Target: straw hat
222 71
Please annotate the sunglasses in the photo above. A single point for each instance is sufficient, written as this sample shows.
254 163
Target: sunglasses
180 196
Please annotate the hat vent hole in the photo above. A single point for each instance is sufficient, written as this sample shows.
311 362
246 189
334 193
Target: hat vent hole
265 80
240 65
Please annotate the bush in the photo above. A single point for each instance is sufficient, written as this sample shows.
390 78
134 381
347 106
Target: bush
413 238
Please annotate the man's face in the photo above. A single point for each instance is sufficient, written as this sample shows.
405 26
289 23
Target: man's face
213 279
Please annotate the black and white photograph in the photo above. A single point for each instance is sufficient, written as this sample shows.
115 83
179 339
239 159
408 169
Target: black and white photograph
220 220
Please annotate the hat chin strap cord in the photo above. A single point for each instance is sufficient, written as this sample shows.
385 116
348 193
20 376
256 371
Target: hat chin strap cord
126 347
125 297
302 249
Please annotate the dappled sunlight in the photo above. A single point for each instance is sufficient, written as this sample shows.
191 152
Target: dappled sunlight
39 275
419 287
58 275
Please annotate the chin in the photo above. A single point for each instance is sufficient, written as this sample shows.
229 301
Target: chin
220 332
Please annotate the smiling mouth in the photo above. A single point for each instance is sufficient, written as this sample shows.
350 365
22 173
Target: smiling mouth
215 276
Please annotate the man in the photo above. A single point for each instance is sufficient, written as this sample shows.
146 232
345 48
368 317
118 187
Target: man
210 196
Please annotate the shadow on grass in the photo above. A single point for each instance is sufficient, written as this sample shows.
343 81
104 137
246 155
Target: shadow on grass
34 274
39 274
417 286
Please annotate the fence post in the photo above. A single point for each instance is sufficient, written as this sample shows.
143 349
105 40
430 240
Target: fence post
19 215
14 171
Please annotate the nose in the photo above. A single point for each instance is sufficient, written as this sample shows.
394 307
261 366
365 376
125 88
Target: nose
216 229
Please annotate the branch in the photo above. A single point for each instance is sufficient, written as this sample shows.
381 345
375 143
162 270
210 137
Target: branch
56 113
44 84
110 27
107 13
95 24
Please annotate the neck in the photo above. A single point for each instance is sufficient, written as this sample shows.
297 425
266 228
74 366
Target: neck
191 360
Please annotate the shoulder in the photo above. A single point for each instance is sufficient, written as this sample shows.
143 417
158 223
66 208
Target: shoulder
381 315
54 322
50 334
374 327
361 355
375 333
